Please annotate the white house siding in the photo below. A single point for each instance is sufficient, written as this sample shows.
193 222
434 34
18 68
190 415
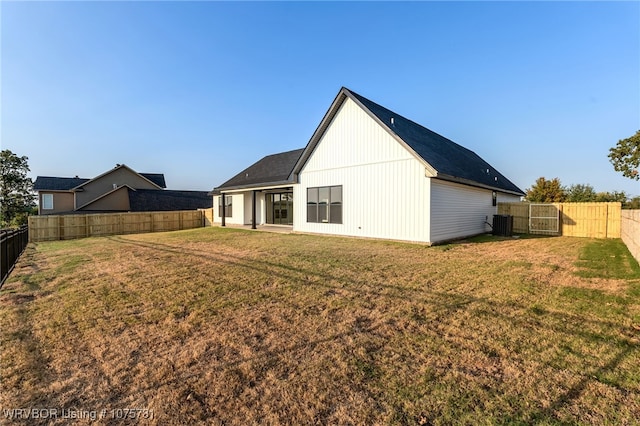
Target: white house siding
248 204
241 211
459 210
237 210
385 193
260 208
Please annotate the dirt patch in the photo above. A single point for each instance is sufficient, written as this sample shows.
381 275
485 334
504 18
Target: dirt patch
16 299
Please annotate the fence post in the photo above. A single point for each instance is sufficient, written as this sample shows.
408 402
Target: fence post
4 260
606 220
52 227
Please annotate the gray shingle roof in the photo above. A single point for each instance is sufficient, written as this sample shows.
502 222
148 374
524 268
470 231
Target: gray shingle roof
445 156
450 160
141 200
270 170
157 178
50 183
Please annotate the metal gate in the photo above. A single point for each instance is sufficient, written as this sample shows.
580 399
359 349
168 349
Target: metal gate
544 219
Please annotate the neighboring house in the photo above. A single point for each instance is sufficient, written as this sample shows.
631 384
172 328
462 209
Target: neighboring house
369 172
120 189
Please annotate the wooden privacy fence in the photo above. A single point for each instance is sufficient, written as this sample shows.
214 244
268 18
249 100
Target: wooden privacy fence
594 220
208 216
68 227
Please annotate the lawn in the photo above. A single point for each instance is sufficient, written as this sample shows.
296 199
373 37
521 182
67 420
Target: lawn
228 326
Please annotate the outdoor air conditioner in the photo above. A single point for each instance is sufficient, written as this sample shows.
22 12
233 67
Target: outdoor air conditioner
503 225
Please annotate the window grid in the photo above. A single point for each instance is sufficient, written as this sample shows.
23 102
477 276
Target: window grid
228 206
324 204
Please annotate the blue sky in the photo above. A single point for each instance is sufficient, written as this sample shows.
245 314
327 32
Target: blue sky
200 90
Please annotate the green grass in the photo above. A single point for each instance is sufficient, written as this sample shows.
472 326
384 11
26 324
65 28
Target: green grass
226 326
607 259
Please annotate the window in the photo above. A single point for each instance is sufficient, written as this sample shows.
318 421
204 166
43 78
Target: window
228 207
312 204
47 201
324 204
335 209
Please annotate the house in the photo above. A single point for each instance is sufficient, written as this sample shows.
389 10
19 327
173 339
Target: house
369 172
270 180
120 189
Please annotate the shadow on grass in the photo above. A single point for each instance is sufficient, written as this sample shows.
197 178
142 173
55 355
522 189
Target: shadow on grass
490 238
621 339
354 286
574 391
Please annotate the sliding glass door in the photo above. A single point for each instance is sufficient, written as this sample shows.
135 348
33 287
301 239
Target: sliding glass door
280 208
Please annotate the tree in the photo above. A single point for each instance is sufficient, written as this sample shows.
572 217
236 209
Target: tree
625 156
633 203
580 193
16 189
546 191
608 197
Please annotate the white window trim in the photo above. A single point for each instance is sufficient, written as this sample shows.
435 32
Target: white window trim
45 205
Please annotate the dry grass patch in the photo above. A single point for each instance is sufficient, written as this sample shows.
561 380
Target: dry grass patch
224 326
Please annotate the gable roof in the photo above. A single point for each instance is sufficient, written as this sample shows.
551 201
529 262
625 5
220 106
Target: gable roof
103 196
271 170
159 179
446 159
50 183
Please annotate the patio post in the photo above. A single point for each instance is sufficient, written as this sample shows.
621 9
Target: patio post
253 210
224 213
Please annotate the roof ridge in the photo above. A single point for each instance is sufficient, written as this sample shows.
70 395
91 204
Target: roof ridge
270 169
445 158
360 97
59 177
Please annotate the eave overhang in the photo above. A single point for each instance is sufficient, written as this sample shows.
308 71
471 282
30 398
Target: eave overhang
251 187
473 183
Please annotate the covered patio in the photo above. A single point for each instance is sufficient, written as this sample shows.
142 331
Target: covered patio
262 194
